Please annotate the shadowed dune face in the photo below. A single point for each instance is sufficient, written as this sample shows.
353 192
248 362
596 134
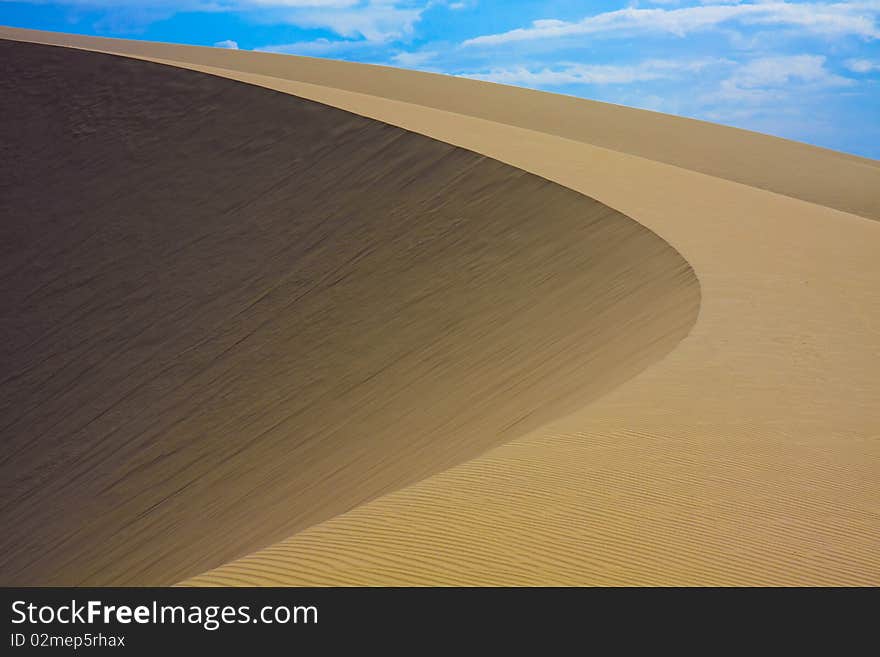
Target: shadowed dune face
229 314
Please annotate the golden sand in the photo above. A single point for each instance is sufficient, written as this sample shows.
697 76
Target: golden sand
748 455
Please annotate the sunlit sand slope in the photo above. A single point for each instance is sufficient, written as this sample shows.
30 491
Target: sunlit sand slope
749 455
826 177
230 314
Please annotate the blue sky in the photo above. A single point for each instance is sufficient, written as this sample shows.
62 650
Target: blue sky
799 69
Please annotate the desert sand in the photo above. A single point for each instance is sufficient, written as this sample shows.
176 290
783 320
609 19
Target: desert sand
649 352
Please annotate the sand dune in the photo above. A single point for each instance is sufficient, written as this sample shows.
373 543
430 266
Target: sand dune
747 455
230 308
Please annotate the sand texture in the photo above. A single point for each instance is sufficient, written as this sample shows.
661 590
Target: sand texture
228 307
618 453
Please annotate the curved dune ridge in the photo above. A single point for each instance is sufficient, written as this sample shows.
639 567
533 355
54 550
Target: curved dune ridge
748 455
231 314
830 178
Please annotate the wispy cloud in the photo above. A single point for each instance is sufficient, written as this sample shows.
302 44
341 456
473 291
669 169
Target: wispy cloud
413 59
782 70
770 82
846 18
377 20
228 43
318 47
573 74
862 65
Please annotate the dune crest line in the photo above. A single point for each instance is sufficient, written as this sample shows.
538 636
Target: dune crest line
837 180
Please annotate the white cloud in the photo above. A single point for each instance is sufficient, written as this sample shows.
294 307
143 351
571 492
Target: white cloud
769 79
776 71
413 59
378 21
367 27
317 48
862 65
845 18
228 43
655 69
